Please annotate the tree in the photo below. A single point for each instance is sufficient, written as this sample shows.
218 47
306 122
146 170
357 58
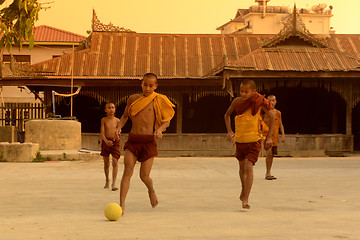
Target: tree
17 22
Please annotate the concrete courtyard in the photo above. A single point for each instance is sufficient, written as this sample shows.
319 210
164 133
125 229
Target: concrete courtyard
313 198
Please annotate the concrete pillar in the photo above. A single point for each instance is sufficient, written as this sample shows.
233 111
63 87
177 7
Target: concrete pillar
54 134
8 134
18 152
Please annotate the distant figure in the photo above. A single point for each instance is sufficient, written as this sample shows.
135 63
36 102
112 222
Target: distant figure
275 136
247 133
110 144
150 114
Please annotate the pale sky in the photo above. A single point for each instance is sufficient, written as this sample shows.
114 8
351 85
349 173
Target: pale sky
177 16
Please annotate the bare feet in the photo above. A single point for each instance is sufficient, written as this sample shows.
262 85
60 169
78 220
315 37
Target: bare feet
153 199
270 177
245 205
107 184
114 188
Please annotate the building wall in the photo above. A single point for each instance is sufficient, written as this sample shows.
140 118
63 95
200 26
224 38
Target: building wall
296 145
232 27
317 23
41 52
272 23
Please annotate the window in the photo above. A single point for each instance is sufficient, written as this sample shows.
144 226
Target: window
18 58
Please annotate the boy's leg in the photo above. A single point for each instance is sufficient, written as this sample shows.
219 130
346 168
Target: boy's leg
145 170
269 160
242 179
114 173
246 169
129 164
106 171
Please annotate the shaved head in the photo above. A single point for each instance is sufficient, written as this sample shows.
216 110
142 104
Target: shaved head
150 75
250 83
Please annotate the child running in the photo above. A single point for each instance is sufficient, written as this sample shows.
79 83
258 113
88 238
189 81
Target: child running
110 144
247 133
150 114
270 152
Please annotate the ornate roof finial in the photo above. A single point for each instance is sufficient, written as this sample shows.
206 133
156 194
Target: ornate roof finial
294 18
98 26
294 26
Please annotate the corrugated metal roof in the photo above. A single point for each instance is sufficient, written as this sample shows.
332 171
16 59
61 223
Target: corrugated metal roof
45 33
302 60
197 55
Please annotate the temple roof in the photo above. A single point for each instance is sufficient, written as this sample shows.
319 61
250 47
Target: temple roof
120 53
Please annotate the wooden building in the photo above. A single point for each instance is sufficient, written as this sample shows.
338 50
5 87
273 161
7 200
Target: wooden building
316 81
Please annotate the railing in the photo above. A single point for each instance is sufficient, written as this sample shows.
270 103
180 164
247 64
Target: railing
15 114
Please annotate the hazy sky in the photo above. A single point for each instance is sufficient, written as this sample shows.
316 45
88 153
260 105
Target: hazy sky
177 16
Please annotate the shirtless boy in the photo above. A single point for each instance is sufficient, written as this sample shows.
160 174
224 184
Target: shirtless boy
150 114
247 133
275 137
110 144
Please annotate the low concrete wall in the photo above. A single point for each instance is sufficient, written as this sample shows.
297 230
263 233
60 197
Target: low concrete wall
312 145
8 134
54 134
18 152
297 145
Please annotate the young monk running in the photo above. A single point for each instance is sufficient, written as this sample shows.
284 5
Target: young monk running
247 133
150 114
275 137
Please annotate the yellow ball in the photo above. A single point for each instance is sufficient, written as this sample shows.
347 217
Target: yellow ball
113 211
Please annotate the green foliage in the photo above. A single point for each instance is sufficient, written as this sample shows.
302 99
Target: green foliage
65 158
40 158
17 22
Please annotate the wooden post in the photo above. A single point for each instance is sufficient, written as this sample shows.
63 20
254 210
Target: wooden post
334 116
47 100
179 113
349 103
72 80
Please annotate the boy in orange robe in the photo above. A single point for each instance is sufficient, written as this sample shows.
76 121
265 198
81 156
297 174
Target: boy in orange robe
275 136
150 114
247 133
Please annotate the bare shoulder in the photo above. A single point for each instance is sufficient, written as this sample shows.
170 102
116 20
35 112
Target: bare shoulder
237 100
133 97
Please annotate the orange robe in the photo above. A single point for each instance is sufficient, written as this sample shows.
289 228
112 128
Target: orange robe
247 121
164 111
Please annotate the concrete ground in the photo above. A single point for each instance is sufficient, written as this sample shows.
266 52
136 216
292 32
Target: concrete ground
313 198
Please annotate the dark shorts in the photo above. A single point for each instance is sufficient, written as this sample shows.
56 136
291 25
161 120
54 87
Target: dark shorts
249 151
142 146
114 150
